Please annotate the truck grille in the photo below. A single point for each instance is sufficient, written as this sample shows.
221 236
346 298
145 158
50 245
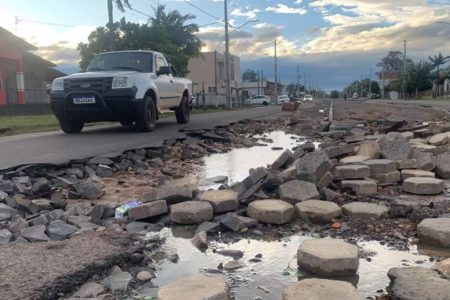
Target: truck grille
99 85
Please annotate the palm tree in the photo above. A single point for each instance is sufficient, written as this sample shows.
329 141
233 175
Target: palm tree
120 4
436 62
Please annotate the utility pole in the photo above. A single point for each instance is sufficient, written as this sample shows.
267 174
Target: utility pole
304 82
370 84
276 71
227 58
298 81
404 69
258 83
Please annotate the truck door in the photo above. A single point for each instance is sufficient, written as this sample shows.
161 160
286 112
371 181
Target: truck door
166 86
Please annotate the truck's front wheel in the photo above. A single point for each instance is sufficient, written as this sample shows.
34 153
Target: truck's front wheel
146 119
183 112
70 126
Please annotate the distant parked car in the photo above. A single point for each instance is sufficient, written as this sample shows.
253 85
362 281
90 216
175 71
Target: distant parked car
355 96
308 98
260 100
283 99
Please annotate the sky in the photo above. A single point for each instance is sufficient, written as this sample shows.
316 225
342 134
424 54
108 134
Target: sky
330 42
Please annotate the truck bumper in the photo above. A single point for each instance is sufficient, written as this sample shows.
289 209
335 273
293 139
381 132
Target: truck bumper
114 105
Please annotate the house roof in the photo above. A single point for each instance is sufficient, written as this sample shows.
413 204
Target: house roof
33 59
14 40
388 75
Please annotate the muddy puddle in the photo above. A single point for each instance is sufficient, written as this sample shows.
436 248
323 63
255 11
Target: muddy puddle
278 266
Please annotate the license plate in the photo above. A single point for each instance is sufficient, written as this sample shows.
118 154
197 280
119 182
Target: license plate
84 100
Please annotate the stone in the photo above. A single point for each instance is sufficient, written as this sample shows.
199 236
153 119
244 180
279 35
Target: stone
117 281
104 171
195 288
440 139
337 151
99 160
308 147
328 257
17 223
5 236
35 234
425 161
406 164
221 200
236 223
295 191
391 177
89 190
5 216
435 232
417 283
271 211
233 265
381 165
191 212
3 195
394 146
144 276
57 214
365 210
89 290
408 173
321 289
200 241
360 187
38 205
7 209
423 186
235 254
175 194
352 171
313 166
325 181
443 165
148 210
58 230
78 220
354 159
39 220
443 267
284 159
7 186
75 171
328 194
208 227
318 211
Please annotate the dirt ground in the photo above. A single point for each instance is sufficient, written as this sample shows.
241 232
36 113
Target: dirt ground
44 270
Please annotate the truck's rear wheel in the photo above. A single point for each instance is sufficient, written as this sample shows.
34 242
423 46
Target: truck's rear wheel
70 126
183 112
146 118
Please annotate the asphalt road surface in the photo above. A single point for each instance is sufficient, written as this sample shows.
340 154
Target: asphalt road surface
55 147
440 104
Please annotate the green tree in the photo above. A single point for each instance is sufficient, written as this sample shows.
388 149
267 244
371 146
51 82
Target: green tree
392 62
438 60
120 4
166 33
249 75
417 77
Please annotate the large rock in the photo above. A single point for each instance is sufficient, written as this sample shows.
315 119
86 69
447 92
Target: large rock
423 186
89 290
35 234
271 211
321 289
221 200
148 210
394 146
318 211
7 209
360 187
58 230
328 257
284 159
89 190
425 161
443 165
369 149
417 283
313 166
233 222
440 139
443 267
435 232
175 194
381 165
354 159
340 150
5 236
191 212
117 281
364 210
391 177
352 171
195 288
408 163
295 191
408 173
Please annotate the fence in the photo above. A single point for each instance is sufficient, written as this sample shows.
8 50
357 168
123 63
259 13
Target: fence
25 109
216 100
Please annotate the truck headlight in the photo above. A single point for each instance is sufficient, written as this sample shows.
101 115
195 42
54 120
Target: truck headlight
121 82
58 85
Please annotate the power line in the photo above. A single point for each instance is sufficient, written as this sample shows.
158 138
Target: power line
40 22
202 10
136 10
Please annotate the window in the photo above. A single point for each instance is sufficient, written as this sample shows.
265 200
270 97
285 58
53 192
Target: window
160 62
211 89
138 61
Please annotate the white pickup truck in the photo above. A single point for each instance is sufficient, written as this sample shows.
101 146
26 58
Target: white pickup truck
131 87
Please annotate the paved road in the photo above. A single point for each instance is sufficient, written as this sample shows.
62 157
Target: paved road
56 147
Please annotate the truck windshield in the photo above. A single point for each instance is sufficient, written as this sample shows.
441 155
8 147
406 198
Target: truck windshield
136 61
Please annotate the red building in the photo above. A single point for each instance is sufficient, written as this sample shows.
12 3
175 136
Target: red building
22 74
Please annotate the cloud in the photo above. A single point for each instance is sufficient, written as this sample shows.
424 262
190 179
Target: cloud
284 9
249 14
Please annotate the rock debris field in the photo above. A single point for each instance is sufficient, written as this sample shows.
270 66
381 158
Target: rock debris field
378 174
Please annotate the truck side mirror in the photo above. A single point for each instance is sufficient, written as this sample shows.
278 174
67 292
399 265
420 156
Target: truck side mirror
165 70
